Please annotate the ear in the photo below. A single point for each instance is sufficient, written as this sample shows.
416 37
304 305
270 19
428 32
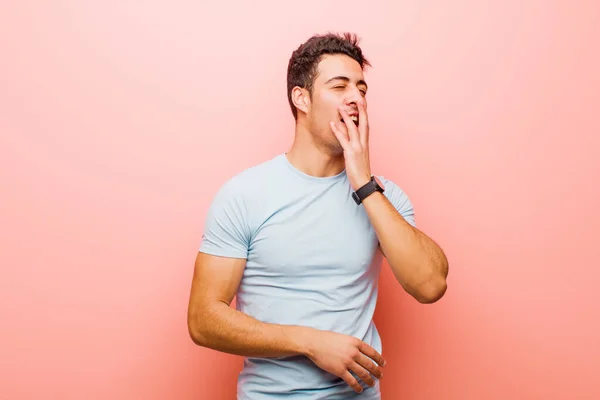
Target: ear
301 99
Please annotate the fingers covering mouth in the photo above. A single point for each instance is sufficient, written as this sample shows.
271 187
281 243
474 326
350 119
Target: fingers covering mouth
354 119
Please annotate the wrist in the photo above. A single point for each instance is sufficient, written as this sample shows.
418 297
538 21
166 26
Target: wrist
358 183
365 191
302 340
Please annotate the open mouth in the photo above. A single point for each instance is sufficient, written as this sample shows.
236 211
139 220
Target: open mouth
354 119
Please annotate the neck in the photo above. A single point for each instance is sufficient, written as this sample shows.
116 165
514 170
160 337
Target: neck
314 158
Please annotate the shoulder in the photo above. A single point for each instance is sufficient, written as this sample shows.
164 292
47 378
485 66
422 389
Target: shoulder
241 186
391 187
399 198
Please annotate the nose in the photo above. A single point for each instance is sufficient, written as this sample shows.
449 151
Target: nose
355 98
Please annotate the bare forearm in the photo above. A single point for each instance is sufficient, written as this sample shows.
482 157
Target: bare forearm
417 262
226 329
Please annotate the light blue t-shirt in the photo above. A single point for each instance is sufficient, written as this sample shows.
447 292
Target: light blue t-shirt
312 260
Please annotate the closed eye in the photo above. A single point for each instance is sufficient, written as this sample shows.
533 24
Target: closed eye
362 91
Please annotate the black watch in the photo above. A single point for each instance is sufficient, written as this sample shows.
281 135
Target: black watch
374 185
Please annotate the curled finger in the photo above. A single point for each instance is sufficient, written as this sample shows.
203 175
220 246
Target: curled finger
372 353
363 374
352 382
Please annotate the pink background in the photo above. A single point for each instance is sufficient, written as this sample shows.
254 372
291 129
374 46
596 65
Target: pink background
119 120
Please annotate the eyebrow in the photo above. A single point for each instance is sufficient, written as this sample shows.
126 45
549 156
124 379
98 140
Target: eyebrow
346 79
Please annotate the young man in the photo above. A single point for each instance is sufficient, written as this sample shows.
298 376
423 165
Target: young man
300 240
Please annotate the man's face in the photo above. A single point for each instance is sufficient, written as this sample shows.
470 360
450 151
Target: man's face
339 82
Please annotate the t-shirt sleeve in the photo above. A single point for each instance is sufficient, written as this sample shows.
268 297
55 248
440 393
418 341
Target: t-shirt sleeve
226 229
400 200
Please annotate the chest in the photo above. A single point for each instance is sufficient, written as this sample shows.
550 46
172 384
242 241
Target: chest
311 240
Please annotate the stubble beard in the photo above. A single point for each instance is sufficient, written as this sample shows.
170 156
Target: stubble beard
325 139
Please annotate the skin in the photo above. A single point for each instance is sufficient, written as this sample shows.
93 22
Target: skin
326 141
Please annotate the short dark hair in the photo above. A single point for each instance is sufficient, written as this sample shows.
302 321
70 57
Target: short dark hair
302 66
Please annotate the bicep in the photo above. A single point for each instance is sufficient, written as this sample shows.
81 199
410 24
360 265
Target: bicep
221 259
216 278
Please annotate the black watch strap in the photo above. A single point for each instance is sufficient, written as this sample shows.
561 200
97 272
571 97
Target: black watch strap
366 190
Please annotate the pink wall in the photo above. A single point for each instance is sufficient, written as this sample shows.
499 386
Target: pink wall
119 121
